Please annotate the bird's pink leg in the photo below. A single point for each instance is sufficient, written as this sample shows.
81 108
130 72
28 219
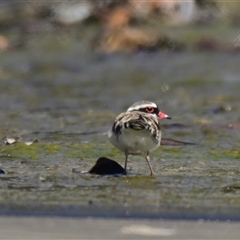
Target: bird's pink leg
149 164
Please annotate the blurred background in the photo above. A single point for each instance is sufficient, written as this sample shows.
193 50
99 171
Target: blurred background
126 25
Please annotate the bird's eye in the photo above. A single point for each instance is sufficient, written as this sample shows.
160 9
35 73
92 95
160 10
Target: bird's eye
149 109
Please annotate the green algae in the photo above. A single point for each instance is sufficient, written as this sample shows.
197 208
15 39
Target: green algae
227 154
183 175
31 152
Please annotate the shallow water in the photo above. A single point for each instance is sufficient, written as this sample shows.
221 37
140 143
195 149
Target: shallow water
67 98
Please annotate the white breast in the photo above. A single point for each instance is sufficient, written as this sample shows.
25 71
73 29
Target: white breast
137 142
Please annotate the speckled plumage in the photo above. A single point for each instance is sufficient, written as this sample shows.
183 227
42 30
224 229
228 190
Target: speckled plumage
137 131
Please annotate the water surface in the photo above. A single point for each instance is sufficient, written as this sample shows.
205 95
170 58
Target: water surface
67 97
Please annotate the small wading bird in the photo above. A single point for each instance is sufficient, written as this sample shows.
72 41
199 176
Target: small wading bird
137 131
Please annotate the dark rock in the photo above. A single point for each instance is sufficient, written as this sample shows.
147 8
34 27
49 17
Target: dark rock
1 171
105 166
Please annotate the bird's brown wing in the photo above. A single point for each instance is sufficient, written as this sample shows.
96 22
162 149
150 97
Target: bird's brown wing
137 121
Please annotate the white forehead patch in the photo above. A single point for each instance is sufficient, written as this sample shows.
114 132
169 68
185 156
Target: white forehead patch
137 107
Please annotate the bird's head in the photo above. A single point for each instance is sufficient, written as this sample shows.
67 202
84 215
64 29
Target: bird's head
148 107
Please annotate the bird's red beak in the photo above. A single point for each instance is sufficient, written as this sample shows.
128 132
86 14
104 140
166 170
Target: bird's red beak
163 115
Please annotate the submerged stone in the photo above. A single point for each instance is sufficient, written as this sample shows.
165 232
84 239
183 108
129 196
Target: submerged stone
10 140
105 166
